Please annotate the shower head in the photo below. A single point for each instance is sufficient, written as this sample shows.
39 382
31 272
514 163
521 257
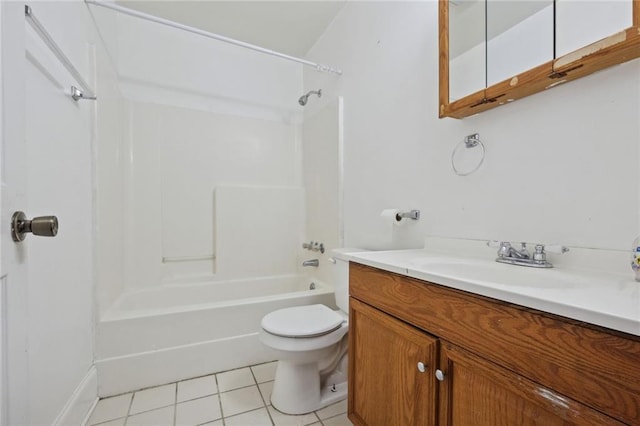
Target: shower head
304 98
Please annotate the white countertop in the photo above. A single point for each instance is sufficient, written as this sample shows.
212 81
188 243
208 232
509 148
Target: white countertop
609 298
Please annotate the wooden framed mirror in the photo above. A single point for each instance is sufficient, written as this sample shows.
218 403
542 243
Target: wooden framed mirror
493 52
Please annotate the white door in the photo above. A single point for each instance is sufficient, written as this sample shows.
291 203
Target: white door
13 311
46 282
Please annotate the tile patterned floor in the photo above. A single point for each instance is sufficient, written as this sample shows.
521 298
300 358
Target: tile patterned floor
231 398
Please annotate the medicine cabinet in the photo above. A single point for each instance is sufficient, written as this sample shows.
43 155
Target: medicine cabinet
493 52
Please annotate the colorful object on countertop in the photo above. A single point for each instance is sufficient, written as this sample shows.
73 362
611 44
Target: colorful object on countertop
635 258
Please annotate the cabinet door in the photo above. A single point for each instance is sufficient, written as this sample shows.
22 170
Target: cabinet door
477 392
386 384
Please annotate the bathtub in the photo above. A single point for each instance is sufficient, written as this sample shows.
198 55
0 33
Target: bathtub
173 332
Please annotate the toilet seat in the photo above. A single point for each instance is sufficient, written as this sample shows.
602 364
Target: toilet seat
302 321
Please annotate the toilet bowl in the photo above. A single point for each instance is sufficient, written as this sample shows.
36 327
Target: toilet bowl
310 343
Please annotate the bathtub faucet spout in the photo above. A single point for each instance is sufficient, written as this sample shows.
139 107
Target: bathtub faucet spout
312 262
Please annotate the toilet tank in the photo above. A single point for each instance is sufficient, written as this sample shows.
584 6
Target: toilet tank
340 276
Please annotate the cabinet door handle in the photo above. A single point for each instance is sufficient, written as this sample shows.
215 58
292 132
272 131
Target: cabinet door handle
421 367
440 375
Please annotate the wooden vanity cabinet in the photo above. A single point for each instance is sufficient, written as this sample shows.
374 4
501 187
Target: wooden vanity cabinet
478 392
386 385
502 364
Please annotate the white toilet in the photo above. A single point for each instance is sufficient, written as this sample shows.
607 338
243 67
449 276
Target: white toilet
311 346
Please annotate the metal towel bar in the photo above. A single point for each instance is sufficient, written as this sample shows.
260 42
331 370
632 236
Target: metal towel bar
76 94
188 258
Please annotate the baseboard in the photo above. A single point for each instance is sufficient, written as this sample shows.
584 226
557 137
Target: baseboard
81 402
129 373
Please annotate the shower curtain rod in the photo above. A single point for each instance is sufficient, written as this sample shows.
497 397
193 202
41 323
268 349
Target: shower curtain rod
166 22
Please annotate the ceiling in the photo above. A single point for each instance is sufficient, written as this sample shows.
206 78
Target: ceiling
290 27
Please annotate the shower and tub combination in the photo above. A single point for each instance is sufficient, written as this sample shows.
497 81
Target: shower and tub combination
189 325
223 177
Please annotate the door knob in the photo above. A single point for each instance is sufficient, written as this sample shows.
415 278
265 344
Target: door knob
440 375
421 367
44 226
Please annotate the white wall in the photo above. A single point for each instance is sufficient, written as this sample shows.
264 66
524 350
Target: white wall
561 166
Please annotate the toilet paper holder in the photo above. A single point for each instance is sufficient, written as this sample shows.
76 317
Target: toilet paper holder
412 214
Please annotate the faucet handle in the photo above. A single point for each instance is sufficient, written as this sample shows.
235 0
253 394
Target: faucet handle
556 249
540 253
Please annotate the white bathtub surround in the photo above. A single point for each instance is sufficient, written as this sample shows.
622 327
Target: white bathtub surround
237 397
322 153
239 170
166 334
258 230
226 117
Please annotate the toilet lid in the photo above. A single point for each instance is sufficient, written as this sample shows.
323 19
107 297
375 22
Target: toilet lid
302 321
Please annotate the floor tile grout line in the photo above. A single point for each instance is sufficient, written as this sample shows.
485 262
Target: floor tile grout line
215 377
246 386
196 398
333 417
152 409
250 411
242 387
107 421
189 379
186 380
175 405
218 393
262 397
206 395
264 363
126 418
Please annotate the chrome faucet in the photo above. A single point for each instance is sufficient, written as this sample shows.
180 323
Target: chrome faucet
508 254
312 262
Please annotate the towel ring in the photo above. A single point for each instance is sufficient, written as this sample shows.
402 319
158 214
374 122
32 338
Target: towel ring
469 142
